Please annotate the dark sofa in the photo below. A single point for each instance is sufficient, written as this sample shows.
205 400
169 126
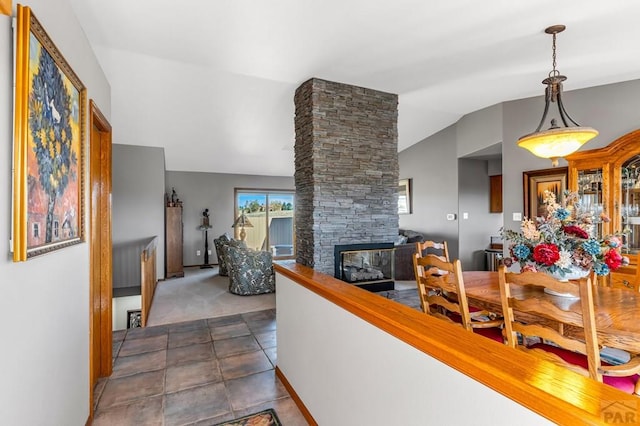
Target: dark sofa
404 254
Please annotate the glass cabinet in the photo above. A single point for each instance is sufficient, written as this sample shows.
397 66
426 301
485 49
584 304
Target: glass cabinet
608 181
589 187
630 203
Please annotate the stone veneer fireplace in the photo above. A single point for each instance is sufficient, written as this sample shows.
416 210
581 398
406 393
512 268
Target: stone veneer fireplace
346 169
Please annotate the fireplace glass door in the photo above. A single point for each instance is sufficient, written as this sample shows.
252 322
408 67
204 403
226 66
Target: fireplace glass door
369 266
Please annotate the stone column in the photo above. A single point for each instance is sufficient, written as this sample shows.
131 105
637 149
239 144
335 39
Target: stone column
346 169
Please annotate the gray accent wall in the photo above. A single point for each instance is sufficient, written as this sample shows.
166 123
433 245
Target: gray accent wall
478 130
213 191
612 109
433 166
495 166
45 300
138 210
475 232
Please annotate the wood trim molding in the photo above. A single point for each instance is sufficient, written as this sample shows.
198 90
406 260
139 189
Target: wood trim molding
100 247
561 396
5 7
303 408
98 118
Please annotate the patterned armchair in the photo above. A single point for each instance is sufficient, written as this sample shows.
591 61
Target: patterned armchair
250 271
220 242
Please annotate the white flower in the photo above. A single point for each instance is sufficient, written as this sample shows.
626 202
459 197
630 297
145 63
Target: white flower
565 259
529 230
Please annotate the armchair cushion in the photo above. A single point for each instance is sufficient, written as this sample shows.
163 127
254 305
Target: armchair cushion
221 243
250 271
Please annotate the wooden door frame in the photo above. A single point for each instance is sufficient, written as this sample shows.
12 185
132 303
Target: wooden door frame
100 223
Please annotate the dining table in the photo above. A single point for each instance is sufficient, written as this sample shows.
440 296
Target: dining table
617 310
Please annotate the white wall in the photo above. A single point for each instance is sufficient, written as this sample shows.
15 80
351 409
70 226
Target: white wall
120 306
349 372
214 191
44 302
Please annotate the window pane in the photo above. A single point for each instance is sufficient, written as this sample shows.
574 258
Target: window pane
253 206
268 219
281 224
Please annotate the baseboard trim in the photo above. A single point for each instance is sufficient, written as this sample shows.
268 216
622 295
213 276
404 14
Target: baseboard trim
303 409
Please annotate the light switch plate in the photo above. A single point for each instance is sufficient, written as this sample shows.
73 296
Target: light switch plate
517 217
465 215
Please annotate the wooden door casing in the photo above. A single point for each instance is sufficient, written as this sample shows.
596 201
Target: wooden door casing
100 290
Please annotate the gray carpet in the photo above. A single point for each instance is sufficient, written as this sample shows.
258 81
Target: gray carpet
202 293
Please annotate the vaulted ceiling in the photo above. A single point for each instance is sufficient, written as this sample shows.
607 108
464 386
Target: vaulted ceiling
212 81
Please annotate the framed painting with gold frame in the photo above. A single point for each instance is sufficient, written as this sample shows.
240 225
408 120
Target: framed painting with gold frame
48 147
535 182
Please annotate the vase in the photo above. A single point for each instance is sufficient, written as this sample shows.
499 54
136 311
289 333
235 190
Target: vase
575 274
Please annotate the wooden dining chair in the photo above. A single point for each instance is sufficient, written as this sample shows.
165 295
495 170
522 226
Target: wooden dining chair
442 294
433 247
580 351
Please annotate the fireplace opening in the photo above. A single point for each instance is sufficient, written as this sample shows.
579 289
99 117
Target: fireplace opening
369 266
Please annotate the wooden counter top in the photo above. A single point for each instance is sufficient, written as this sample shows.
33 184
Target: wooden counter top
560 395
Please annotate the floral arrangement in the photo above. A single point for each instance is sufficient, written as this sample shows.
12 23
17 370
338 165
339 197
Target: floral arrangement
562 241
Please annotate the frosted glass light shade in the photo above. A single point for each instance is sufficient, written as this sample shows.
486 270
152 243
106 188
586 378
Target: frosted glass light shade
558 142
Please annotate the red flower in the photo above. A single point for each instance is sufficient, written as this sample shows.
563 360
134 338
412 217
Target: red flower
613 259
576 230
546 253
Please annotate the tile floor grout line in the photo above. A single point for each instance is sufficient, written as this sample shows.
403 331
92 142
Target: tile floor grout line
254 322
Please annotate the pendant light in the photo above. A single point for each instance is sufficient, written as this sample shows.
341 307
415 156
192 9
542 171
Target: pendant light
557 141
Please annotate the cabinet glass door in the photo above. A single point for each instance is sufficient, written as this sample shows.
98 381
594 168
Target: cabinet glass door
591 199
630 182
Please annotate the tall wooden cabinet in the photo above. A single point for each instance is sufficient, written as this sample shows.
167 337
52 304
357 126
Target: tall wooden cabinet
173 242
608 181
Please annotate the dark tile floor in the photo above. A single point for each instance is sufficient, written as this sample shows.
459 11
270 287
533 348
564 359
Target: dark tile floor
199 372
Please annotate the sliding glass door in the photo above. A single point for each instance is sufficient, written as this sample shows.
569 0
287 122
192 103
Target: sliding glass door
265 220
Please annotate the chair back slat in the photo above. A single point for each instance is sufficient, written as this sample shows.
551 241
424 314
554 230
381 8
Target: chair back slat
441 301
547 308
543 280
547 333
442 294
445 317
433 247
440 287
